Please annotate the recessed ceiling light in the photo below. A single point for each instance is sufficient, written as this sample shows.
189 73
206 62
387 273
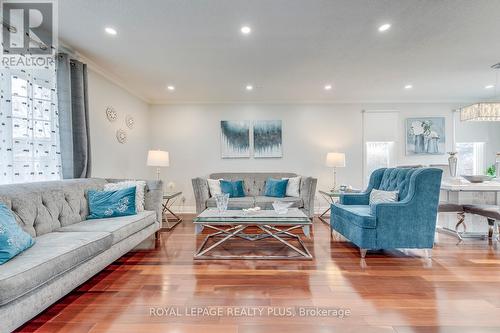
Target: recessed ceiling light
384 27
409 86
489 86
246 30
110 31
328 87
170 88
249 87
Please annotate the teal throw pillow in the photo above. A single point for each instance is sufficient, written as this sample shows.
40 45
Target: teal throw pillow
13 239
104 204
275 188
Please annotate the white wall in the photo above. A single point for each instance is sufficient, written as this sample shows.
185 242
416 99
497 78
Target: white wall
191 133
192 136
110 158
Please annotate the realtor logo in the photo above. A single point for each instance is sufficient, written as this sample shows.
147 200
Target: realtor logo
28 27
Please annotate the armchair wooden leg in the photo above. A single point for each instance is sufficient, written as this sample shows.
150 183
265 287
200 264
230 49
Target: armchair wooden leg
428 253
363 253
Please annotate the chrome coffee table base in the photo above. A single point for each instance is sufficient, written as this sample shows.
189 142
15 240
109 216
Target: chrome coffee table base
220 236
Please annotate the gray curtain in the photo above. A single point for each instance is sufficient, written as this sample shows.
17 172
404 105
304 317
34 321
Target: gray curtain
73 117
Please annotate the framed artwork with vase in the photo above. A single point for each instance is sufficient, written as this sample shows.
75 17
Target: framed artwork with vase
425 136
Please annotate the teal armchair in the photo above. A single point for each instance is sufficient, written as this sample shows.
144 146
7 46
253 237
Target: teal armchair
408 223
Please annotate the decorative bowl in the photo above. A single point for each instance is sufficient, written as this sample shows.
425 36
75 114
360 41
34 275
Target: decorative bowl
281 207
477 178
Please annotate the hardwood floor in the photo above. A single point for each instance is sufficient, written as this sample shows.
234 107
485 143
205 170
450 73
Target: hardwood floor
458 290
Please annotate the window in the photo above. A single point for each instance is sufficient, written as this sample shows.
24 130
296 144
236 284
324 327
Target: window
29 127
470 158
378 155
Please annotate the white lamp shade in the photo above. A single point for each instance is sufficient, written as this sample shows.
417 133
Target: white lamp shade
158 158
335 160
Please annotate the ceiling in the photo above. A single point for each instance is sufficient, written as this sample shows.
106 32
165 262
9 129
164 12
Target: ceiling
443 48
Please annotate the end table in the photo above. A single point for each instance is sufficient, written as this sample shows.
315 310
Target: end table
331 197
170 198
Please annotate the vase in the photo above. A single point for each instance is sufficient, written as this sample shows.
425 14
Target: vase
222 201
432 146
452 163
419 144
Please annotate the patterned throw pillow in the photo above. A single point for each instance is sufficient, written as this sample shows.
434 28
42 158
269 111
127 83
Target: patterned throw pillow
379 196
104 204
13 239
140 187
214 187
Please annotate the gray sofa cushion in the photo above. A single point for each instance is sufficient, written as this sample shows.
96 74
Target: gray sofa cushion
119 227
267 202
52 255
234 203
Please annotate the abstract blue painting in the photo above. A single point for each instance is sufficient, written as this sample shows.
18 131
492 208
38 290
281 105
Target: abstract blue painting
235 139
267 138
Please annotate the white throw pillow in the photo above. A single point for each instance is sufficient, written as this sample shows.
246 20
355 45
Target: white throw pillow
140 186
379 196
293 187
214 187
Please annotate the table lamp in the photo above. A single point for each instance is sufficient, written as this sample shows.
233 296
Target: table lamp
335 160
158 158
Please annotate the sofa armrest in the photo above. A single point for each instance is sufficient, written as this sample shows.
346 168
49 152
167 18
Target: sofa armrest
201 193
153 195
363 198
355 198
307 193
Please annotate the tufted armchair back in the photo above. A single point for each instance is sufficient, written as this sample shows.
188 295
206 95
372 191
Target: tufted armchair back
43 207
396 179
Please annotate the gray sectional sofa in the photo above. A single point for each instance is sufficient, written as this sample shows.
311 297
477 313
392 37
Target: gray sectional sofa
68 249
254 183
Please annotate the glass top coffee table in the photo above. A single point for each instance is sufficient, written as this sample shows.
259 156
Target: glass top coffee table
231 224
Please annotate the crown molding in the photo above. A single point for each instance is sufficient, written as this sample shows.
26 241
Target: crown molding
94 66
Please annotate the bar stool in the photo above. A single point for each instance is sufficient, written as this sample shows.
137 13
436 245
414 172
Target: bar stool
448 207
491 212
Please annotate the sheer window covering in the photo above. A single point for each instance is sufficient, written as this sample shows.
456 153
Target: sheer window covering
29 126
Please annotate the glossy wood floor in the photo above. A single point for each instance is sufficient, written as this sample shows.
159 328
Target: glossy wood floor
458 290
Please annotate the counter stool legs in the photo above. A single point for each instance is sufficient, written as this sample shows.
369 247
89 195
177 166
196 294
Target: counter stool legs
461 222
491 225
